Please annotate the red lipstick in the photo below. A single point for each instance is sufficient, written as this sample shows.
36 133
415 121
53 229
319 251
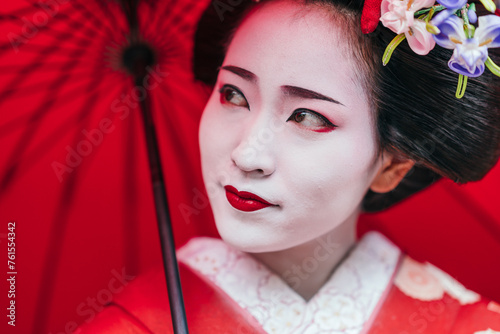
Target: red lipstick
245 201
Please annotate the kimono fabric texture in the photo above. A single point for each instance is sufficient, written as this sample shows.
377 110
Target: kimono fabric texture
376 289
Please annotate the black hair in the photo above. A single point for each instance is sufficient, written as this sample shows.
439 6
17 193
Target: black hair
418 116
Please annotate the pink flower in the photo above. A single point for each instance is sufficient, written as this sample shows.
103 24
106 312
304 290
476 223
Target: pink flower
398 15
419 39
395 15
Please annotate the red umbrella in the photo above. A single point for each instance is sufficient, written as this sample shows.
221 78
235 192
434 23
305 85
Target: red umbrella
74 173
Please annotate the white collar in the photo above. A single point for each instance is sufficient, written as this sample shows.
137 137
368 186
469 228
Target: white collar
345 304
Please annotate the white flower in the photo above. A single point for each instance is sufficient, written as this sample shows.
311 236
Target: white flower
415 281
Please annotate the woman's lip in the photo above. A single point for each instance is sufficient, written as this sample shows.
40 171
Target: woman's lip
244 200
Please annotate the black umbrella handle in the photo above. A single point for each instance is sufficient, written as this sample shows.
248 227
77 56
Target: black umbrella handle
164 223
136 59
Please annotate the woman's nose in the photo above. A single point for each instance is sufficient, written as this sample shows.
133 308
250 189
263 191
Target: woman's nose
254 152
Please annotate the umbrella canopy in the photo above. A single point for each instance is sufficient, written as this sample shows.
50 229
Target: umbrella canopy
74 170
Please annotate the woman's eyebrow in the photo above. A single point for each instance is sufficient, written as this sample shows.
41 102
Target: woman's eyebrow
290 90
245 74
307 94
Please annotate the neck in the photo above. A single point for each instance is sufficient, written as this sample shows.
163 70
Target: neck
307 267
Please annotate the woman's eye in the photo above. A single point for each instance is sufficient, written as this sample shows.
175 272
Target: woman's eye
312 120
232 95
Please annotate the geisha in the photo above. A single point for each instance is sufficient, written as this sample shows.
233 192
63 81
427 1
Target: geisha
304 130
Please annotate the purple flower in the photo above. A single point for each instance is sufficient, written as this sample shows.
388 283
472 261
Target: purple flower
440 17
469 54
488 32
451 30
452 4
468 58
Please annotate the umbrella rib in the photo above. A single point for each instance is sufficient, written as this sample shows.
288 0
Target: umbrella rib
22 120
53 255
67 52
16 16
7 46
32 67
165 45
129 149
89 15
107 13
80 54
74 24
176 19
78 39
23 11
31 130
170 54
152 19
79 10
59 227
47 67
71 23
168 23
33 87
29 159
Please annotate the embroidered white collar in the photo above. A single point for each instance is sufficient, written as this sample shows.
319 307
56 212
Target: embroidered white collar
344 304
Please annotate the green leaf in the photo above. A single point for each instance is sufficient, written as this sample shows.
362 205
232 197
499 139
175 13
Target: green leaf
432 29
391 47
437 8
489 5
462 85
494 68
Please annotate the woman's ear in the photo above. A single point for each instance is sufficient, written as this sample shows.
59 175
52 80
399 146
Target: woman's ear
392 171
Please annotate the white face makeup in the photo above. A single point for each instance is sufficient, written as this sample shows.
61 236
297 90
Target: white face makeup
288 122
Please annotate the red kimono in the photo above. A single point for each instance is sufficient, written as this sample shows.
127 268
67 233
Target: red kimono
376 289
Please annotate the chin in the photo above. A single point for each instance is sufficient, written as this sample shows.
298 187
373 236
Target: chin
242 241
254 239
248 239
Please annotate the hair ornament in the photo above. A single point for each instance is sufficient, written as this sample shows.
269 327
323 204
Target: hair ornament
451 24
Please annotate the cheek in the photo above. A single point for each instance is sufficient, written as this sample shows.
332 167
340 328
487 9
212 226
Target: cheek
209 137
211 126
337 179
207 120
216 141
342 158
